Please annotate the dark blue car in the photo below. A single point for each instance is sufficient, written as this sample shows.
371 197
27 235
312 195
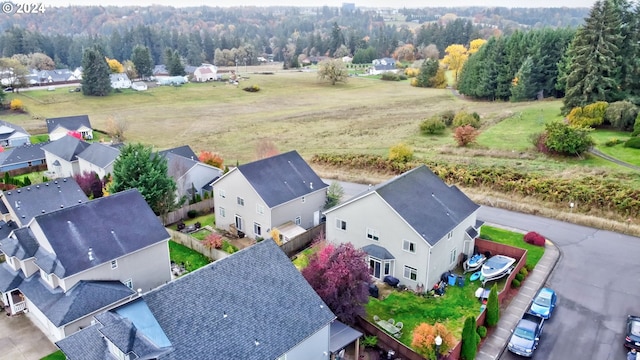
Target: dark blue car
543 303
525 337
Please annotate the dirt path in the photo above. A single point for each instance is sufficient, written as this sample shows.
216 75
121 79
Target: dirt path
602 155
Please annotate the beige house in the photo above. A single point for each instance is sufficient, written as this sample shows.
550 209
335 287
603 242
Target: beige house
413 227
279 191
59 127
66 266
205 72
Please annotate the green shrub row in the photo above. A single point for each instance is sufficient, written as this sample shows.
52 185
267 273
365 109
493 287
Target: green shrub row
604 192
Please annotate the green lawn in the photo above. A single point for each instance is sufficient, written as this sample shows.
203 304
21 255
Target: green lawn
629 155
534 253
58 355
302 259
191 259
200 234
209 219
40 138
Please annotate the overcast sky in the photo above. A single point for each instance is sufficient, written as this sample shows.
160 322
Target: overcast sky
363 3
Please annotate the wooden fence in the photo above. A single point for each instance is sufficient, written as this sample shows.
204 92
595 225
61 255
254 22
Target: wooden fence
25 170
195 244
206 205
300 242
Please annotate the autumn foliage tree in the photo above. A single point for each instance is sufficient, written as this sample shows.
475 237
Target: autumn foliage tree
75 134
456 56
266 148
115 66
212 241
211 158
465 135
424 336
340 276
90 184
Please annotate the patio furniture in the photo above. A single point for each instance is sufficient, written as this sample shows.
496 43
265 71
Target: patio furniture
391 321
399 325
388 327
376 318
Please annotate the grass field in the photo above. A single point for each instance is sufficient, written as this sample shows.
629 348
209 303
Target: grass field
534 253
191 259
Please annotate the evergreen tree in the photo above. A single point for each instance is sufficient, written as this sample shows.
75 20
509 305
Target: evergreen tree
524 85
594 59
95 76
139 167
141 58
174 64
493 307
428 71
469 343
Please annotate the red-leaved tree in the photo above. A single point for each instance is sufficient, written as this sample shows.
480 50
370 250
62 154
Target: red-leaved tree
75 134
213 241
212 159
340 276
465 135
90 184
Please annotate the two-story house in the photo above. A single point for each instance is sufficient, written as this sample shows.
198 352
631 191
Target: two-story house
98 158
61 156
67 265
191 175
61 126
252 305
13 135
281 191
413 227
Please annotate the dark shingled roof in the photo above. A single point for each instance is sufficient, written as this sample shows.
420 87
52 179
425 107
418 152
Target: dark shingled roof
33 200
67 147
23 154
6 227
111 226
426 203
184 151
281 178
82 299
99 154
7 129
71 123
75 346
253 295
23 245
378 251
9 279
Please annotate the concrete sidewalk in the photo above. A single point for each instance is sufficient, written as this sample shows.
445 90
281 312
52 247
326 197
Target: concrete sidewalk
494 345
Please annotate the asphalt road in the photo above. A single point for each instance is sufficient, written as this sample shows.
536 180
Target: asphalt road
597 280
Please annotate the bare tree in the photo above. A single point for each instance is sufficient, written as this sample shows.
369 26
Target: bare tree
266 148
116 129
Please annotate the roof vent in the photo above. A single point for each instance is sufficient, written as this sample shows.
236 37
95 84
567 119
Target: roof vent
79 201
311 185
37 186
61 206
256 342
28 189
139 292
64 180
23 216
18 191
55 181
370 186
9 193
46 184
90 253
43 211
224 314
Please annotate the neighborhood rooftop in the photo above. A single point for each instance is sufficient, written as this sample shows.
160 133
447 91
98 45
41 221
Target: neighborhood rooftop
68 122
99 154
184 151
22 154
281 178
67 147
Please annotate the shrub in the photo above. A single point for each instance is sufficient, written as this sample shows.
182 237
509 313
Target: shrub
621 115
539 141
633 143
534 238
482 331
447 116
515 283
213 241
390 77
259 238
613 142
465 135
228 247
16 105
463 118
566 139
369 341
519 277
191 214
529 267
493 307
636 127
252 88
411 72
524 271
433 125
401 153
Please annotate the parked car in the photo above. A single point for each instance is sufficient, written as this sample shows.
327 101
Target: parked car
632 340
525 337
8 89
543 303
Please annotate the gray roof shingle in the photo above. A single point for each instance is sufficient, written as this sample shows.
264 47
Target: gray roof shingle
184 151
99 154
426 203
9 279
6 227
23 154
23 245
378 251
75 346
33 200
111 226
67 147
71 123
7 129
281 178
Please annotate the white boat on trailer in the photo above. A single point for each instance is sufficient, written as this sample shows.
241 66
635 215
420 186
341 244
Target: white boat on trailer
496 267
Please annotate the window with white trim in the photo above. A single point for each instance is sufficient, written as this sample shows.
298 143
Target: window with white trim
410 273
222 193
450 235
453 256
239 223
298 220
240 201
373 234
341 224
408 246
114 264
260 208
222 212
257 229
129 283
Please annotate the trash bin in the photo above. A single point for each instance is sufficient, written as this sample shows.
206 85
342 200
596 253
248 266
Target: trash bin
373 291
391 281
460 280
452 279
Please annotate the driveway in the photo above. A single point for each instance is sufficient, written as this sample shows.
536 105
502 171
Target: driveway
21 340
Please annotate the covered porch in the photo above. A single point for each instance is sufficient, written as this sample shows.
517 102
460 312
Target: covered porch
14 302
344 341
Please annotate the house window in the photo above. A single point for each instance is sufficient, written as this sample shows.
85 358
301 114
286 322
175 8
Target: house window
453 256
298 220
260 208
222 212
238 222
222 193
114 264
257 229
373 234
341 224
449 235
303 199
410 273
129 283
240 201
408 246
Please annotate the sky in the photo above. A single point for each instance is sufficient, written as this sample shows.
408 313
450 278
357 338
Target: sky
362 3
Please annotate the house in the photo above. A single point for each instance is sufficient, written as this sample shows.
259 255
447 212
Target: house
21 157
98 158
272 192
62 156
56 76
189 69
12 135
380 66
70 264
139 86
22 205
172 80
192 177
413 227
120 81
252 305
160 70
78 72
59 127
205 72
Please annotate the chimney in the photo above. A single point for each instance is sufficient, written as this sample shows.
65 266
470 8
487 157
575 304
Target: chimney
90 253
